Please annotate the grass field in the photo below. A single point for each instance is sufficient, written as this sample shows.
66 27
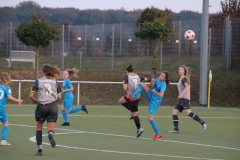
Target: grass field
107 133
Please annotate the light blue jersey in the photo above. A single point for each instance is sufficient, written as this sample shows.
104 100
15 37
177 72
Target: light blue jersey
66 85
159 86
4 92
154 99
68 96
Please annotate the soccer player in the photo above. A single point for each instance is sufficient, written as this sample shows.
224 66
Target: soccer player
5 94
68 96
184 99
130 83
154 96
49 92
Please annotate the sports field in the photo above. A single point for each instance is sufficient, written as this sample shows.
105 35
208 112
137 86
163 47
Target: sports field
107 133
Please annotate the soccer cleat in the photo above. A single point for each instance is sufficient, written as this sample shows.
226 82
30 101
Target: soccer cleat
39 154
174 131
51 140
157 136
66 124
5 143
204 127
84 109
129 97
139 132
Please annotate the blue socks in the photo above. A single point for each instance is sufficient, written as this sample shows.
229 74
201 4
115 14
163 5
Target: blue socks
75 109
138 90
65 116
5 130
154 126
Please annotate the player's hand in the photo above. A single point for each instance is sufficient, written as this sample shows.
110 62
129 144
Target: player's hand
20 101
179 97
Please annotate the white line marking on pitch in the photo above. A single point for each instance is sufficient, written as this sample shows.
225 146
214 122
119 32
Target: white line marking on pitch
33 139
197 144
107 116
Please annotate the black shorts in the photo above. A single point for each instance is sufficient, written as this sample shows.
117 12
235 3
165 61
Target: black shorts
131 106
182 104
48 112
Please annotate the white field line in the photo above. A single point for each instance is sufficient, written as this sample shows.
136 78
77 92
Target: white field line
33 139
107 134
114 116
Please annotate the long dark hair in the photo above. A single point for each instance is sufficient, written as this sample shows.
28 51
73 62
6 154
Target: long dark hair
166 77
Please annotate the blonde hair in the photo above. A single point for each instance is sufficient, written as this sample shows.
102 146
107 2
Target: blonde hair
51 71
5 78
186 72
72 72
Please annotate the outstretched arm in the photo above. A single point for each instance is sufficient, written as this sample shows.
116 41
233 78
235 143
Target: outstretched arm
10 97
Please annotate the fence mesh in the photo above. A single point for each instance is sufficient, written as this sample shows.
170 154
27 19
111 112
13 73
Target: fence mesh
97 46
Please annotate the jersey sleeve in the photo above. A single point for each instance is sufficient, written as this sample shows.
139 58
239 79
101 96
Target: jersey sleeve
59 90
184 81
34 87
125 79
142 78
163 86
8 90
69 84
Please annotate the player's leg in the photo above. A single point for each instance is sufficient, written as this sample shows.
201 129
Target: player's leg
136 119
196 118
51 121
152 108
122 100
39 138
178 108
5 130
5 127
64 113
40 118
78 108
140 88
50 128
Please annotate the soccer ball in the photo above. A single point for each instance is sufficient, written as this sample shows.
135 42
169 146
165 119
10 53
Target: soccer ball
189 35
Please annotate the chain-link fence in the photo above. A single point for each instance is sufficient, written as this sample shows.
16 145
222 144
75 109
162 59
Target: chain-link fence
102 46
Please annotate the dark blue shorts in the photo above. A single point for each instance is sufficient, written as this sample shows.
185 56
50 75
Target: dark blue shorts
182 104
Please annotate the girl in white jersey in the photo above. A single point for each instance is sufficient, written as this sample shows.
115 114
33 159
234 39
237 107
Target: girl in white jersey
184 99
5 94
49 92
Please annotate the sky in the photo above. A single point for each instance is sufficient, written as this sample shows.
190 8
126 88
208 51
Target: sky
174 5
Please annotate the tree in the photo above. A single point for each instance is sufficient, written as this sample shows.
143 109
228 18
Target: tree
154 27
37 33
229 8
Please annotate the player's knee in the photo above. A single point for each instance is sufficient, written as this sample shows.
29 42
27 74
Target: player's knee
69 111
5 123
174 112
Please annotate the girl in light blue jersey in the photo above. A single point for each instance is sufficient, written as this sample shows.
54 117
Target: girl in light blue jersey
5 94
155 97
68 96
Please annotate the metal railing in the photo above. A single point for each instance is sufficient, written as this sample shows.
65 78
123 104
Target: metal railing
75 82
